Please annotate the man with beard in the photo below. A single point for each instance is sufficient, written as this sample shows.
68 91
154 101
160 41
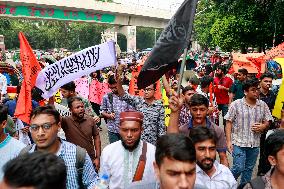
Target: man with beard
209 172
247 119
68 90
80 129
130 159
199 109
222 85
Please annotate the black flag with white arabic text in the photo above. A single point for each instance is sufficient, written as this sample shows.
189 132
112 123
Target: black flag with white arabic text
170 45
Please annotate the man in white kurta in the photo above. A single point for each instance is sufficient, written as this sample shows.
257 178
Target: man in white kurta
119 160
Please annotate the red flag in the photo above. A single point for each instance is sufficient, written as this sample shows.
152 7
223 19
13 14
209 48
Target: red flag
275 52
30 69
257 62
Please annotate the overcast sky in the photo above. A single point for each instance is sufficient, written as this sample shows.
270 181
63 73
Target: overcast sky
161 4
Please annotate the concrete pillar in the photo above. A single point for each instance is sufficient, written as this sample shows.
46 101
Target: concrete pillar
130 33
111 34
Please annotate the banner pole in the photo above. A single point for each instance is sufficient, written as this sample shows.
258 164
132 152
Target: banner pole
182 69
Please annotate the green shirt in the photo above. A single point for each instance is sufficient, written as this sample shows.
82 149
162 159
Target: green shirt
237 90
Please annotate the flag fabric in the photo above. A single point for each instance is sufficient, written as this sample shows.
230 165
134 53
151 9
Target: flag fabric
280 96
169 47
257 62
82 63
277 51
30 69
133 89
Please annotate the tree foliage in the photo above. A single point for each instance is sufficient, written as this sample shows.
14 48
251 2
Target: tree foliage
239 24
44 34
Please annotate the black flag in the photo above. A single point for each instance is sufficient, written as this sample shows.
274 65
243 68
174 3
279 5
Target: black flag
170 45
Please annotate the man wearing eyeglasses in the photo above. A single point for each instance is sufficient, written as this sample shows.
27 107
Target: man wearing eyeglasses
153 111
45 124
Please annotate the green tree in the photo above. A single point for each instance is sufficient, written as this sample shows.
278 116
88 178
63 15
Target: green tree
145 37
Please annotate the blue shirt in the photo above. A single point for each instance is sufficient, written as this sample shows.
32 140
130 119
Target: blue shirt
11 105
67 152
118 107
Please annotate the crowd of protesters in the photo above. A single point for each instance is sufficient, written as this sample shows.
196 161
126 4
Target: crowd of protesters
215 113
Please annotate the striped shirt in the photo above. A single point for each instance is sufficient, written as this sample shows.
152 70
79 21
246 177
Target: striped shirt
243 116
118 107
67 152
154 117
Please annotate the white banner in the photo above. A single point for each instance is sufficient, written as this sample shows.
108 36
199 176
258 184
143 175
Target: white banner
23 137
52 77
64 111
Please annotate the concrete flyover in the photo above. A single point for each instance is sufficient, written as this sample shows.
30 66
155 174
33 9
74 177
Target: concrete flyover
88 11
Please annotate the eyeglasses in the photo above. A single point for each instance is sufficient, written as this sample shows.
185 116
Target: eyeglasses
45 127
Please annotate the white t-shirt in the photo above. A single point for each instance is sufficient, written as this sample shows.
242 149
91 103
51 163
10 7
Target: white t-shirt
9 149
221 179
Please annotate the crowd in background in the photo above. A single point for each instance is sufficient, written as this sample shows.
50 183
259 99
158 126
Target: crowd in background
217 112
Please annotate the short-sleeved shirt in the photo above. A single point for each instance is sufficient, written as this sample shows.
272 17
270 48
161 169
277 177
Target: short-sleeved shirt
81 132
153 121
221 145
117 106
67 152
243 116
237 90
222 96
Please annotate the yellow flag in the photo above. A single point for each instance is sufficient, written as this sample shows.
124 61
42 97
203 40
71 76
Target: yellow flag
166 106
280 97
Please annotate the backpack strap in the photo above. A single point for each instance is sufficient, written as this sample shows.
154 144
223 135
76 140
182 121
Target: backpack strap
141 164
26 150
110 98
80 161
257 183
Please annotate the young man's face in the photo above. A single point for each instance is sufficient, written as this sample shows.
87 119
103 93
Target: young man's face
205 154
66 93
149 92
130 132
278 161
113 88
252 93
266 83
44 138
174 174
188 94
199 113
241 77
